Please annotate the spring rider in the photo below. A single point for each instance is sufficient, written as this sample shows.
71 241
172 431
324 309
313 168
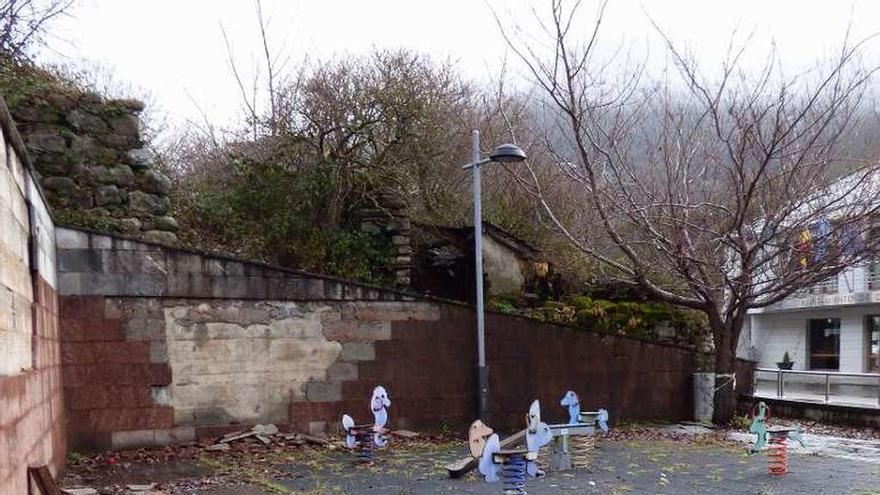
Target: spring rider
775 438
574 441
362 438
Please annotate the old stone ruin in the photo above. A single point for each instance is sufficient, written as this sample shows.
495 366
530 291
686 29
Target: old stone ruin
90 158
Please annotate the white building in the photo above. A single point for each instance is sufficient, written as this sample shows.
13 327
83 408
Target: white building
831 330
834 326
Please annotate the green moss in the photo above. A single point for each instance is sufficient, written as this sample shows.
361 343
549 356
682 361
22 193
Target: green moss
632 318
73 217
72 157
113 109
501 305
22 85
67 133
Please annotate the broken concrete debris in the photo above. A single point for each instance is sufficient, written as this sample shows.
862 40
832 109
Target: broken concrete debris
269 434
141 488
264 430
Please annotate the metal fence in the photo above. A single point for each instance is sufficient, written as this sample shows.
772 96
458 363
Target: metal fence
828 387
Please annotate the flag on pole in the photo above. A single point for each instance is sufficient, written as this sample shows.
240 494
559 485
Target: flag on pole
804 247
823 234
852 241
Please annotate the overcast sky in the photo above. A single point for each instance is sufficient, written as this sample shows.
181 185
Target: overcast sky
174 48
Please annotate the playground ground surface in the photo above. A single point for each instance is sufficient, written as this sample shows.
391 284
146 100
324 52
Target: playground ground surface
639 461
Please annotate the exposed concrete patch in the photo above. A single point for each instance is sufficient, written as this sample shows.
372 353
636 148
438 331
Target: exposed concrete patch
244 360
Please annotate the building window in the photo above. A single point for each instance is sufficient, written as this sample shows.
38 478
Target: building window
872 336
824 336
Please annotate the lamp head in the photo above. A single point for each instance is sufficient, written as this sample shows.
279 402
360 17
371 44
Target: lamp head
507 153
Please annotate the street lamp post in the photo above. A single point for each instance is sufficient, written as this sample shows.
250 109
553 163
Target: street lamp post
506 153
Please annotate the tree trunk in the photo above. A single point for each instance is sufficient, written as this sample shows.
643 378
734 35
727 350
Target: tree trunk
725 396
726 338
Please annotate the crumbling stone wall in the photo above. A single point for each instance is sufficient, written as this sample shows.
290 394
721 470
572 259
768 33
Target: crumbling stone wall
389 215
90 157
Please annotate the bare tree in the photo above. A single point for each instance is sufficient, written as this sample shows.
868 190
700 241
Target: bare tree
269 122
720 193
23 22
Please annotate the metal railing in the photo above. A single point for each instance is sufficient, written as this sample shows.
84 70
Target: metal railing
827 286
854 389
872 277
869 280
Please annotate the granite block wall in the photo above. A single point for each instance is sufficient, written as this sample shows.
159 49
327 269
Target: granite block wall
31 401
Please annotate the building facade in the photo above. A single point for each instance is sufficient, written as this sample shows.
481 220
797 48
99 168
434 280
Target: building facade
831 326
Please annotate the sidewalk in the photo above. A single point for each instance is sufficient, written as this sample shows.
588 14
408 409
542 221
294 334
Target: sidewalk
828 446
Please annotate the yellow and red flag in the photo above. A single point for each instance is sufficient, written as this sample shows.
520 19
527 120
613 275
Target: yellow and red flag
804 247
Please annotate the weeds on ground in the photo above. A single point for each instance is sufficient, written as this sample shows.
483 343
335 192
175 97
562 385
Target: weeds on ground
249 475
74 457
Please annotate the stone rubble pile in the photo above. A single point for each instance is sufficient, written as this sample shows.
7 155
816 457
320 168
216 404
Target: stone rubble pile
267 435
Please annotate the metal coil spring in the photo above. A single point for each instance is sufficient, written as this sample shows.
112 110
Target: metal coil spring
582 447
543 461
364 447
513 475
777 457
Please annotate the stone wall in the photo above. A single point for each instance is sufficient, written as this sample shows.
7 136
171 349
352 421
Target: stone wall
389 216
31 406
90 157
162 344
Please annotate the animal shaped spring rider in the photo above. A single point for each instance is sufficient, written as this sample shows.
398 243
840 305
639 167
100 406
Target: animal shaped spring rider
512 465
575 441
363 438
775 438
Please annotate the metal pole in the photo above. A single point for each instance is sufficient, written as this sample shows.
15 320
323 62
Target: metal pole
827 387
754 382
779 383
482 369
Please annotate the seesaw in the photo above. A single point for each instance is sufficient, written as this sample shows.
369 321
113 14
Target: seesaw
574 442
513 466
477 435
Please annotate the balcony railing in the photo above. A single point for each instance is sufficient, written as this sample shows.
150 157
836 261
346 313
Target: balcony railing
863 278
829 286
872 276
823 387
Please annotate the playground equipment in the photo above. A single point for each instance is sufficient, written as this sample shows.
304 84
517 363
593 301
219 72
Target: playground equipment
478 435
511 466
774 438
363 438
575 442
